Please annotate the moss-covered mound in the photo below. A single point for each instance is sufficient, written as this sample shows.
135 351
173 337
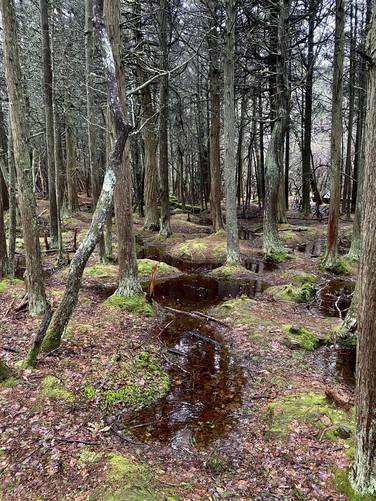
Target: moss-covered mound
134 304
299 277
340 267
128 480
303 337
291 293
343 485
54 389
311 408
234 271
145 268
134 384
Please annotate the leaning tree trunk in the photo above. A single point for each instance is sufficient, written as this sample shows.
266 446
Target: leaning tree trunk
363 475
129 283
48 106
215 120
165 225
233 252
17 108
331 256
64 311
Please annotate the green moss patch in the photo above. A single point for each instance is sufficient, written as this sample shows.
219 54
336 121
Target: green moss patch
340 267
87 456
277 256
307 339
145 267
102 271
343 485
299 277
10 382
230 270
134 304
54 389
134 384
311 408
291 293
10 284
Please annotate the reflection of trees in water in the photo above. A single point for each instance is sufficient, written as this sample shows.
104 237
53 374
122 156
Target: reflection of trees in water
202 396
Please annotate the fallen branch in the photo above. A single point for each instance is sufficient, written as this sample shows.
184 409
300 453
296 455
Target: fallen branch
212 319
72 441
8 310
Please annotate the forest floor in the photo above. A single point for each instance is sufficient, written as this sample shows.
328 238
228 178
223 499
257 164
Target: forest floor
151 405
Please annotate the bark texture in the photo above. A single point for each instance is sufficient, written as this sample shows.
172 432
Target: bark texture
37 298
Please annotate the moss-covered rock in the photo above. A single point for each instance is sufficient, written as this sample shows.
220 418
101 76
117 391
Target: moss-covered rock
305 338
134 304
291 293
343 485
54 389
311 408
134 384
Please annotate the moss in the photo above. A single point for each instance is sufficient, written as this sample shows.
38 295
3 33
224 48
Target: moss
146 383
134 304
145 267
216 463
306 338
277 256
292 294
54 389
88 456
343 485
128 480
231 270
310 408
340 267
9 284
299 277
10 382
102 271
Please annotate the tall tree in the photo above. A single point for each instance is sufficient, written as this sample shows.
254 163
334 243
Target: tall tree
48 107
233 252
331 255
364 470
20 141
164 17
128 272
215 118
279 14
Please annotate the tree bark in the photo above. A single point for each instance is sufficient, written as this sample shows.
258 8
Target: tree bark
17 102
330 258
233 252
128 271
165 225
214 124
363 476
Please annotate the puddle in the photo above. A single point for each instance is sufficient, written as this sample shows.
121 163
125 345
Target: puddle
334 298
206 388
338 363
201 292
310 249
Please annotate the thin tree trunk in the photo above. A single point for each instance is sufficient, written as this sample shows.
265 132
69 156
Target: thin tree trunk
330 258
36 292
233 252
72 198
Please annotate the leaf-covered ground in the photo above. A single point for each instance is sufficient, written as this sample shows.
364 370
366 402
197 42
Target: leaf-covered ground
59 439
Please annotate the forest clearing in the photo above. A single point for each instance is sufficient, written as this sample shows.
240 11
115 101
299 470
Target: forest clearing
188 250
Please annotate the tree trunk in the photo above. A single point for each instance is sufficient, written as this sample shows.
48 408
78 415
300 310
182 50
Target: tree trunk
274 158
128 271
64 311
330 258
214 127
12 230
233 252
48 105
364 470
165 225
17 105
306 154
72 198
